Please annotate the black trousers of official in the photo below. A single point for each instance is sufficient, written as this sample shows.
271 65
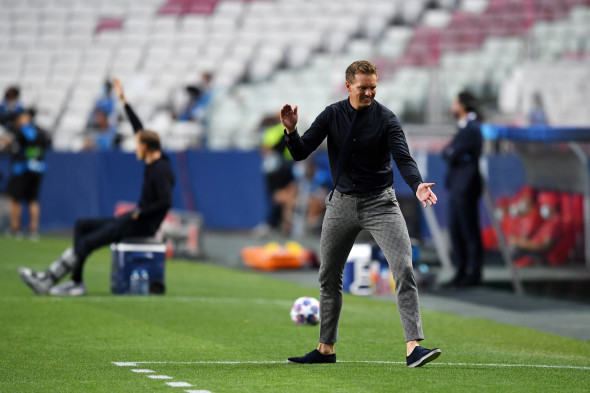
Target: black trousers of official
465 236
93 233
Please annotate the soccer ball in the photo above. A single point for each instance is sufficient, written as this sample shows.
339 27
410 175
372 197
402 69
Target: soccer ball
306 311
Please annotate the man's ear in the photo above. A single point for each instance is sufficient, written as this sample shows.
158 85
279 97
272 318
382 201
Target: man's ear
348 86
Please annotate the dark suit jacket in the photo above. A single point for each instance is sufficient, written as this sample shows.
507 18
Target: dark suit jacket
462 156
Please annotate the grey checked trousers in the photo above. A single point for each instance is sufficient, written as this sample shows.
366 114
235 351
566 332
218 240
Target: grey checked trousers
381 216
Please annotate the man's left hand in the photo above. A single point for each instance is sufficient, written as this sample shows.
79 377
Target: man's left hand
425 194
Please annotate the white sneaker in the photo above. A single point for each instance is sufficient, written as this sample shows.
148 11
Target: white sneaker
69 288
34 236
37 281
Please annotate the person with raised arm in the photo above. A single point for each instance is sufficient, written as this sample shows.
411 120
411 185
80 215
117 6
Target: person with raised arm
93 233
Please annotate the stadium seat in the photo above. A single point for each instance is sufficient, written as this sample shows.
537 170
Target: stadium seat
246 41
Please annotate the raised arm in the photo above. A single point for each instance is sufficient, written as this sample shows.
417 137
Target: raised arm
301 146
133 119
289 118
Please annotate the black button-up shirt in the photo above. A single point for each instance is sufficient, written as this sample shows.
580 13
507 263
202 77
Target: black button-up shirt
376 136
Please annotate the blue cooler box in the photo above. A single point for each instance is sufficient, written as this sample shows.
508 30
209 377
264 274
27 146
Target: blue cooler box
138 254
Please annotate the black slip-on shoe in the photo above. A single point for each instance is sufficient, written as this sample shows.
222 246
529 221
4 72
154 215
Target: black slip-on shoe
420 356
314 356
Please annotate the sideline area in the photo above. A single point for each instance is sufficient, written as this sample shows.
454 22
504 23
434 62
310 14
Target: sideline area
489 301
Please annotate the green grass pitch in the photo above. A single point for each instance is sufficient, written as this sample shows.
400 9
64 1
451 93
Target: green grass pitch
241 319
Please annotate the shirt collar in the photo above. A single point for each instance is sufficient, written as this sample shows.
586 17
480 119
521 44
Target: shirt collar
462 123
350 109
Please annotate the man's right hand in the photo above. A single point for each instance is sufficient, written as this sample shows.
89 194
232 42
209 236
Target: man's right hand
119 90
289 118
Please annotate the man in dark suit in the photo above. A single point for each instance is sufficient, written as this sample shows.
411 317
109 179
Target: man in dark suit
464 185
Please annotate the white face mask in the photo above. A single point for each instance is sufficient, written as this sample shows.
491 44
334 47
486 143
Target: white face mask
545 211
513 210
499 214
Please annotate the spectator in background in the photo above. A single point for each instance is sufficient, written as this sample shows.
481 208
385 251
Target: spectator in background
537 115
104 105
532 250
104 134
199 101
277 165
189 110
464 184
523 214
27 148
10 107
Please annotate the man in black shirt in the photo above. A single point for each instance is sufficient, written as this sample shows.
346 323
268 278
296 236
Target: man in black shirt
362 135
91 234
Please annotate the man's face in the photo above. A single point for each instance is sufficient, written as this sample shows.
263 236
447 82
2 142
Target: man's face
140 149
362 90
102 120
23 119
457 109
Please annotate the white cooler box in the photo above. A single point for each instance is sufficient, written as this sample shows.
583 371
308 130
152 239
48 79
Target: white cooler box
147 254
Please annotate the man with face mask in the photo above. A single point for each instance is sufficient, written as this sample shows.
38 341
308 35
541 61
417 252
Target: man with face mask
464 184
525 214
534 250
93 233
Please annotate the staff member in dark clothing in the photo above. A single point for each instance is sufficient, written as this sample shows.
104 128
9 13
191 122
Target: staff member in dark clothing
27 147
464 184
362 135
91 234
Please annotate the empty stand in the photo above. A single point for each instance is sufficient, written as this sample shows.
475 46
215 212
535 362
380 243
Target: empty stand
263 53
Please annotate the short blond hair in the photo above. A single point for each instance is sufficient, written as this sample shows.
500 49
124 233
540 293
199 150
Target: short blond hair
360 67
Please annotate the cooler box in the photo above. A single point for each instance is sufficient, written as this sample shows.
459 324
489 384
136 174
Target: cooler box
356 278
365 260
138 254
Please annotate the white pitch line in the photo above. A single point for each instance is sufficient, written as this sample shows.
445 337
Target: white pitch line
143 370
179 384
159 377
478 364
123 364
